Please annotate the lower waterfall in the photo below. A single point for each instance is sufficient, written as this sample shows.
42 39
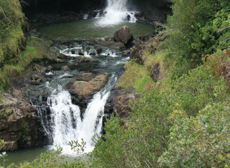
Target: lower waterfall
66 123
63 120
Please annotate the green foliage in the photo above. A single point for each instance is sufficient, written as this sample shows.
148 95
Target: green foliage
201 141
182 123
145 134
196 89
78 147
3 155
197 28
111 151
135 76
11 15
51 159
11 36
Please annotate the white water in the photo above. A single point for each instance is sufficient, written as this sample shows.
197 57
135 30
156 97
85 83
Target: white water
65 118
116 12
79 51
66 123
91 125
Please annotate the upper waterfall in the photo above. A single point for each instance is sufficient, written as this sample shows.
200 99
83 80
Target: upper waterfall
116 12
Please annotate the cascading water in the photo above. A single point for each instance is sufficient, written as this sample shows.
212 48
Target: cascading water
91 125
63 122
116 12
66 121
65 118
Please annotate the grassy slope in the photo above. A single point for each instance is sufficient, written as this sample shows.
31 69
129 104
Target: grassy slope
17 48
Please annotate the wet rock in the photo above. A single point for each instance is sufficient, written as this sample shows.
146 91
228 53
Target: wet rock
124 36
79 88
65 68
40 69
155 72
19 127
84 59
126 53
37 74
10 146
85 76
69 85
49 68
59 60
99 50
89 83
109 42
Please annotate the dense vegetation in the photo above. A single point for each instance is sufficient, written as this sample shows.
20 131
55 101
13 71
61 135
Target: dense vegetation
183 119
17 48
12 39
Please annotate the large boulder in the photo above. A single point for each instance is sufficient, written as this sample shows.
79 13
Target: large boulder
85 76
109 42
87 83
124 36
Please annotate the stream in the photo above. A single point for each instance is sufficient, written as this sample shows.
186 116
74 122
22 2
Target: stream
63 120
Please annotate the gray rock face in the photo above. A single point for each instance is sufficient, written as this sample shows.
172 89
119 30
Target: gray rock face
124 36
19 127
152 11
136 53
121 104
155 72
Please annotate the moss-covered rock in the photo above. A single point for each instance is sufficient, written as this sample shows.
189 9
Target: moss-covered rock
19 126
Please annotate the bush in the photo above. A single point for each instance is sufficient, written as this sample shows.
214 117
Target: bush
201 141
12 39
144 136
197 28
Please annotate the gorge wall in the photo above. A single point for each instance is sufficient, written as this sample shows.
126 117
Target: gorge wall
150 10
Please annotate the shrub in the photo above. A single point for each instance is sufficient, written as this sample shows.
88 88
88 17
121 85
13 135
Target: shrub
201 141
144 136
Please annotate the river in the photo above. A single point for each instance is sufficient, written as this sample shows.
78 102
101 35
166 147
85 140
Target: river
63 121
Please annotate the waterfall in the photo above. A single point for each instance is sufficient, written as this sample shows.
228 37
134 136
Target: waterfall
66 123
65 118
91 125
116 12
